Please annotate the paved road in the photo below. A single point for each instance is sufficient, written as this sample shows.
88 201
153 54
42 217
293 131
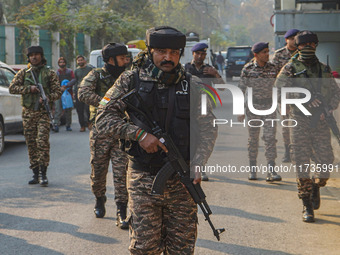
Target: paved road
259 218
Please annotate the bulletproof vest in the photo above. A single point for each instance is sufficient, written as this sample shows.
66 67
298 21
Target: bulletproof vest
316 82
29 100
66 75
174 118
104 83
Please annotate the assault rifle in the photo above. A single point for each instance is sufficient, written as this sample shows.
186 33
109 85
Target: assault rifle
322 109
175 163
44 99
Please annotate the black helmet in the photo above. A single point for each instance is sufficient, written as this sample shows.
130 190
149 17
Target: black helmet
165 37
112 50
306 37
35 49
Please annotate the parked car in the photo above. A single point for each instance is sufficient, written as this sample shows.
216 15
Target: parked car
236 58
10 106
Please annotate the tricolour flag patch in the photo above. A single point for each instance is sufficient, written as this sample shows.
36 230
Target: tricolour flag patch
104 101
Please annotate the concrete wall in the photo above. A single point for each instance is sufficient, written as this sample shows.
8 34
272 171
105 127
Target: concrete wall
326 24
10 41
10 44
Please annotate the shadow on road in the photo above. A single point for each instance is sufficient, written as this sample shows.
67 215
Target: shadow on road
14 222
243 214
34 196
14 245
234 249
260 183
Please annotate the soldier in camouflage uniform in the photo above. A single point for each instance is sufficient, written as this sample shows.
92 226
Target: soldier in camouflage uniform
281 57
36 121
259 74
207 73
92 90
159 223
304 70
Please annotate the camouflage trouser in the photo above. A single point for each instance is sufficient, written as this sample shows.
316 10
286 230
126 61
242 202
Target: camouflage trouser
58 112
102 150
37 134
307 141
269 132
160 223
285 131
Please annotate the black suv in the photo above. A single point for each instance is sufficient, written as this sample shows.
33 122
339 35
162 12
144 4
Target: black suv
236 58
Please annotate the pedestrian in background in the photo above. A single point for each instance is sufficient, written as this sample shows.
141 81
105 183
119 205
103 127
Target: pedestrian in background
311 138
35 118
220 62
281 57
259 74
103 148
82 109
63 73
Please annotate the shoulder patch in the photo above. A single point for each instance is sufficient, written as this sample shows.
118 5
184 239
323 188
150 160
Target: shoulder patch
104 101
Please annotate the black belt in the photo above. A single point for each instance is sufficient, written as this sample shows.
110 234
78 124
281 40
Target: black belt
153 170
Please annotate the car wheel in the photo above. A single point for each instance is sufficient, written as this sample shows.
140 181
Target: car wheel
2 138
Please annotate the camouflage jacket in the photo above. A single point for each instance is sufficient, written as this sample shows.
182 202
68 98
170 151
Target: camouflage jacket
281 57
288 77
20 85
112 111
261 79
93 87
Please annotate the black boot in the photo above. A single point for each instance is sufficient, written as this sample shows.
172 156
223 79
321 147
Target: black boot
99 208
35 177
43 178
316 196
272 176
286 157
252 174
121 216
308 212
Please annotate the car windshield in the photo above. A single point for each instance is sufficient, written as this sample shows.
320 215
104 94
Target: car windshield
239 54
6 76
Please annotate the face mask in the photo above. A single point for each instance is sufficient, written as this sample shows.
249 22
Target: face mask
62 66
307 53
115 71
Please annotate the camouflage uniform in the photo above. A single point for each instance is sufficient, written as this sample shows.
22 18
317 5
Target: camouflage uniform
281 57
163 223
306 140
91 91
36 122
261 79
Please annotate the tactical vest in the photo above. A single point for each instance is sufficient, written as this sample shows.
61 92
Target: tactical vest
315 82
103 85
29 100
174 118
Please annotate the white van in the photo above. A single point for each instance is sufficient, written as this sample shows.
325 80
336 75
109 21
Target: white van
96 58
